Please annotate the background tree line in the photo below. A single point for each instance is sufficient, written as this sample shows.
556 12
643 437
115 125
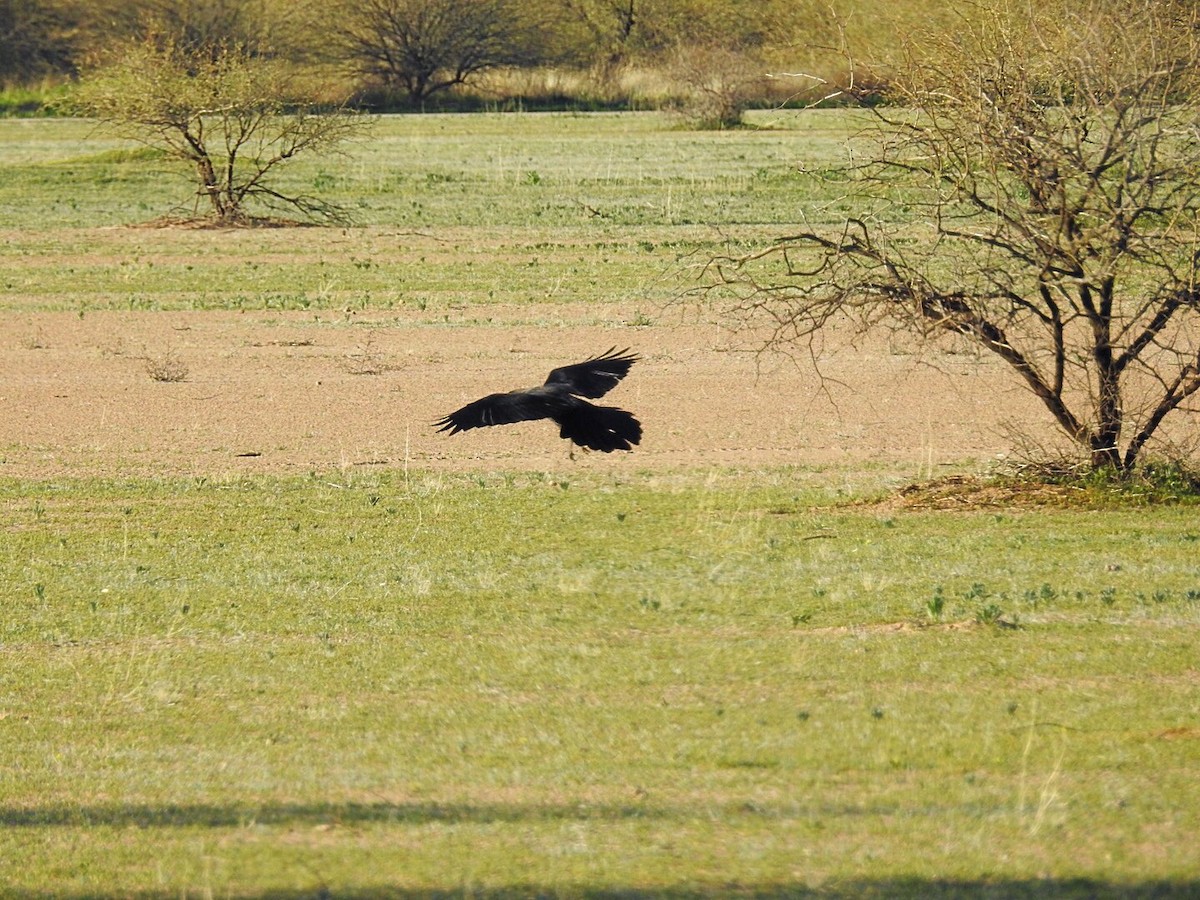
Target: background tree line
714 56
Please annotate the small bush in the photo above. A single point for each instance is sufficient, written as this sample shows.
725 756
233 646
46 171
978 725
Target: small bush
166 367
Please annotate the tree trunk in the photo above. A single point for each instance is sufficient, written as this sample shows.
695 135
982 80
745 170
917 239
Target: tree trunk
209 186
1109 413
1105 455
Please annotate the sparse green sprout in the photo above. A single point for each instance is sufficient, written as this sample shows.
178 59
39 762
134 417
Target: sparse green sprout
992 614
641 320
976 592
936 605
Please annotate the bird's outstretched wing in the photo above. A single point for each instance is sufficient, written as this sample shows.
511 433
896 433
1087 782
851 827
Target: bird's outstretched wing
594 377
501 409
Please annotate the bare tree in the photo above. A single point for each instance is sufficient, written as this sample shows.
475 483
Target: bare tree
426 46
1034 188
230 115
719 83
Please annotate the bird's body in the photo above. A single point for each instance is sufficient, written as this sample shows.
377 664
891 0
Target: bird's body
603 428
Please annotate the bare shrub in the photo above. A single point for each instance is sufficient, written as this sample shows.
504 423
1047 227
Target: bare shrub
368 359
717 84
235 117
426 46
167 367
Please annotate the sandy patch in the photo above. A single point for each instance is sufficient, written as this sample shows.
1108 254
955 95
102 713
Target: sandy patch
297 392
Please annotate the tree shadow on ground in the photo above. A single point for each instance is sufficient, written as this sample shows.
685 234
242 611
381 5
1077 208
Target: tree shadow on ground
859 889
185 816
204 815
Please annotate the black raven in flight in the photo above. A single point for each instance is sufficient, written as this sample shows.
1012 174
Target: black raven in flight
603 428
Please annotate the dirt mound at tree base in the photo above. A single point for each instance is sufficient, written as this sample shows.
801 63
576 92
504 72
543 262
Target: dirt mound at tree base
978 492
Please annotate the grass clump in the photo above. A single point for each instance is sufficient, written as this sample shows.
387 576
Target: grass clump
1155 481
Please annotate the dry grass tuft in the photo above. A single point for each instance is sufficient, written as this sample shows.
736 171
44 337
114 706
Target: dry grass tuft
166 367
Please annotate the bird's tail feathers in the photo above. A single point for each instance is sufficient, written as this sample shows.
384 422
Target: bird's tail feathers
603 428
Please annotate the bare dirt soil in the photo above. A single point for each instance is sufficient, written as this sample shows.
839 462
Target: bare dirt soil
268 392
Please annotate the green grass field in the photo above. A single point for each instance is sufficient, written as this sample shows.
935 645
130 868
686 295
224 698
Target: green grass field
686 683
560 207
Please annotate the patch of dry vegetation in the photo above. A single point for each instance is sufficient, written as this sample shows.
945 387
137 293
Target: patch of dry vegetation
1051 486
971 492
